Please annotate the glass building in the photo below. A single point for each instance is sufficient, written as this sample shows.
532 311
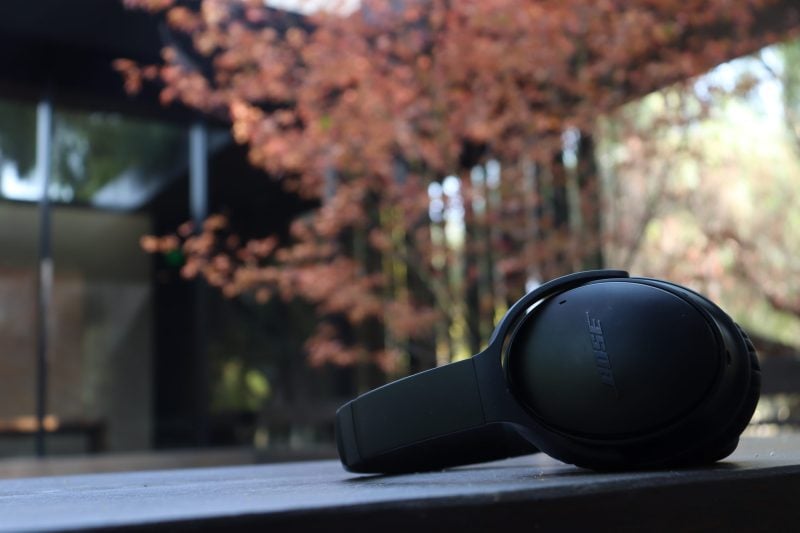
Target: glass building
103 345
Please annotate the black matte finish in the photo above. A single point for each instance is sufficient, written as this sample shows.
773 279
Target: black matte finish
595 368
418 408
431 420
628 381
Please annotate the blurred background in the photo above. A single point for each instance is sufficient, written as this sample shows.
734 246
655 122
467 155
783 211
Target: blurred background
220 220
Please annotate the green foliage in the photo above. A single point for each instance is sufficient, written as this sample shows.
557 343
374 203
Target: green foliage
90 150
239 388
93 149
18 135
716 210
790 55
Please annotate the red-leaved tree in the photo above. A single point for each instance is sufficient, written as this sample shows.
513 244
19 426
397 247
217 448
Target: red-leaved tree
448 145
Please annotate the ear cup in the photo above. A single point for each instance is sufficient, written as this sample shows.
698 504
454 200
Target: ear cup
633 373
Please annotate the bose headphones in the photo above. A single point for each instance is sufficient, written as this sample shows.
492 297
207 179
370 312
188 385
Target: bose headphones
596 369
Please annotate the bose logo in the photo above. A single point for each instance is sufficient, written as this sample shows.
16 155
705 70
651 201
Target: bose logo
599 351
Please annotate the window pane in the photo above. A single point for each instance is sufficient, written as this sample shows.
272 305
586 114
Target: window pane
112 161
101 329
18 150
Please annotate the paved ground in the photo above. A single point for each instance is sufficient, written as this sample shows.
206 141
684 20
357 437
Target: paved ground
756 489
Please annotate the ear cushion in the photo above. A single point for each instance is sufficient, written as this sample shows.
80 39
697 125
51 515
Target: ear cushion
728 439
727 442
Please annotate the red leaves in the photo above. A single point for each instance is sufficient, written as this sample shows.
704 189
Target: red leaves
406 320
184 19
151 5
362 111
163 245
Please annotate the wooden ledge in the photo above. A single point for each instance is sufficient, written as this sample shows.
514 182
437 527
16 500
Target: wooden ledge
754 490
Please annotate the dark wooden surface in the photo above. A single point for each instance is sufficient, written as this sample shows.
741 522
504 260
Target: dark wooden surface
756 489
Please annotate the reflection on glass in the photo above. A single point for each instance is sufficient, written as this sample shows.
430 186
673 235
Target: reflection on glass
112 161
18 150
100 159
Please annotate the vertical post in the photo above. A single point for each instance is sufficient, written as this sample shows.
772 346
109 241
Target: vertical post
198 173
44 284
198 207
484 318
591 199
494 206
533 214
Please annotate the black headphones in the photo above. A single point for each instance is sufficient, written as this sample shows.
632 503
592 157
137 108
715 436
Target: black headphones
596 369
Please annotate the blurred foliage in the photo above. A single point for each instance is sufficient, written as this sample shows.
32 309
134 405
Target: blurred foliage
789 77
790 53
450 147
239 388
712 200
